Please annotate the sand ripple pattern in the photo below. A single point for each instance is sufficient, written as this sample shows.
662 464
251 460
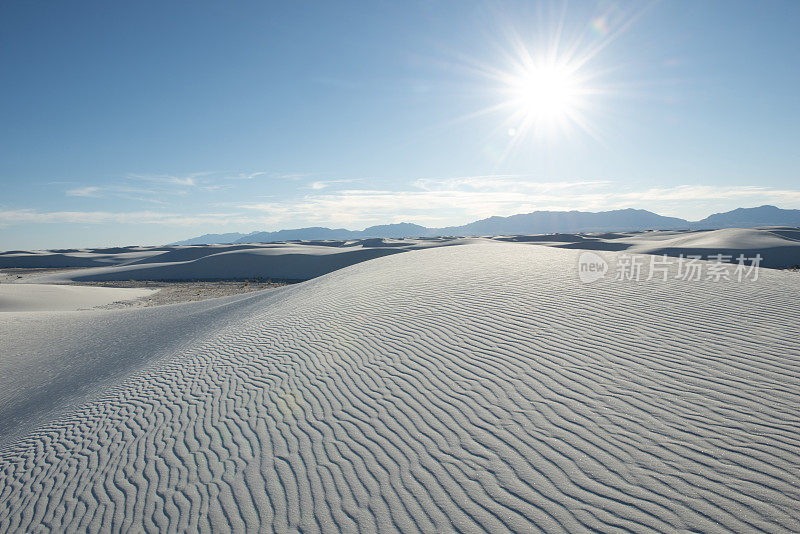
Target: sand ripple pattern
469 389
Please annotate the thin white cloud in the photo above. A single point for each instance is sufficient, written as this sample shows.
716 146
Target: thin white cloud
502 182
352 207
188 181
160 184
114 190
432 203
243 176
323 184
8 217
695 192
90 191
468 199
292 175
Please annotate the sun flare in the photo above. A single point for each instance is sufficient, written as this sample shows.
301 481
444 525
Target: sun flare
545 93
551 80
544 99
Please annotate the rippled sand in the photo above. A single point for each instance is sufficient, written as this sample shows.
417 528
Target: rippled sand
470 388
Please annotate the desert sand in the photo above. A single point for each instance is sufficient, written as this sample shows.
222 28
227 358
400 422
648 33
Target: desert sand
303 260
46 297
479 387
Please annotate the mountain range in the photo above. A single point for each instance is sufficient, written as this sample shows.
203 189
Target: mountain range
538 222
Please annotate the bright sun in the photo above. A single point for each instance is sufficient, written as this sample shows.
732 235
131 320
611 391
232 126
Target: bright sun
549 84
545 93
543 98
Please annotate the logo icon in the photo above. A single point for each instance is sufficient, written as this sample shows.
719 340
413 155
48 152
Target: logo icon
591 267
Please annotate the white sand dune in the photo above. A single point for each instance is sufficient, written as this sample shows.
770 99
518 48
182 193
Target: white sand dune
286 261
777 250
74 258
43 297
51 362
471 388
778 246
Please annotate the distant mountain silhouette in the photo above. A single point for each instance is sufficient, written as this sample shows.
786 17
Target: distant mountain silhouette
750 217
320 233
538 222
208 239
396 230
313 233
546 222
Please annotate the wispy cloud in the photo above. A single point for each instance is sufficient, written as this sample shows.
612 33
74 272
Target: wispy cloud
460 200
292 175
694 192
90 191
323 184
133 193
363 206
243 176
148 186
428 201
8 217
502 182
188 181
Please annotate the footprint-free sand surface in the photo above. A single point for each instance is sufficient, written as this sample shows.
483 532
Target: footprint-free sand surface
45 297
779 248
464 388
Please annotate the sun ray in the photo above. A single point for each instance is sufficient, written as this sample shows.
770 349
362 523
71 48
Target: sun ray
548 81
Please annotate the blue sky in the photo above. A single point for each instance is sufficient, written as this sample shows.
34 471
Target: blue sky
148 122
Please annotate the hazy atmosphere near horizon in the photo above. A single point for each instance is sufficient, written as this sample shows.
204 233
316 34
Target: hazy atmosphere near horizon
151 122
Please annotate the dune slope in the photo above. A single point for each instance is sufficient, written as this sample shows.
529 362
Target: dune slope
287 261
778 247
51 361
472 388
